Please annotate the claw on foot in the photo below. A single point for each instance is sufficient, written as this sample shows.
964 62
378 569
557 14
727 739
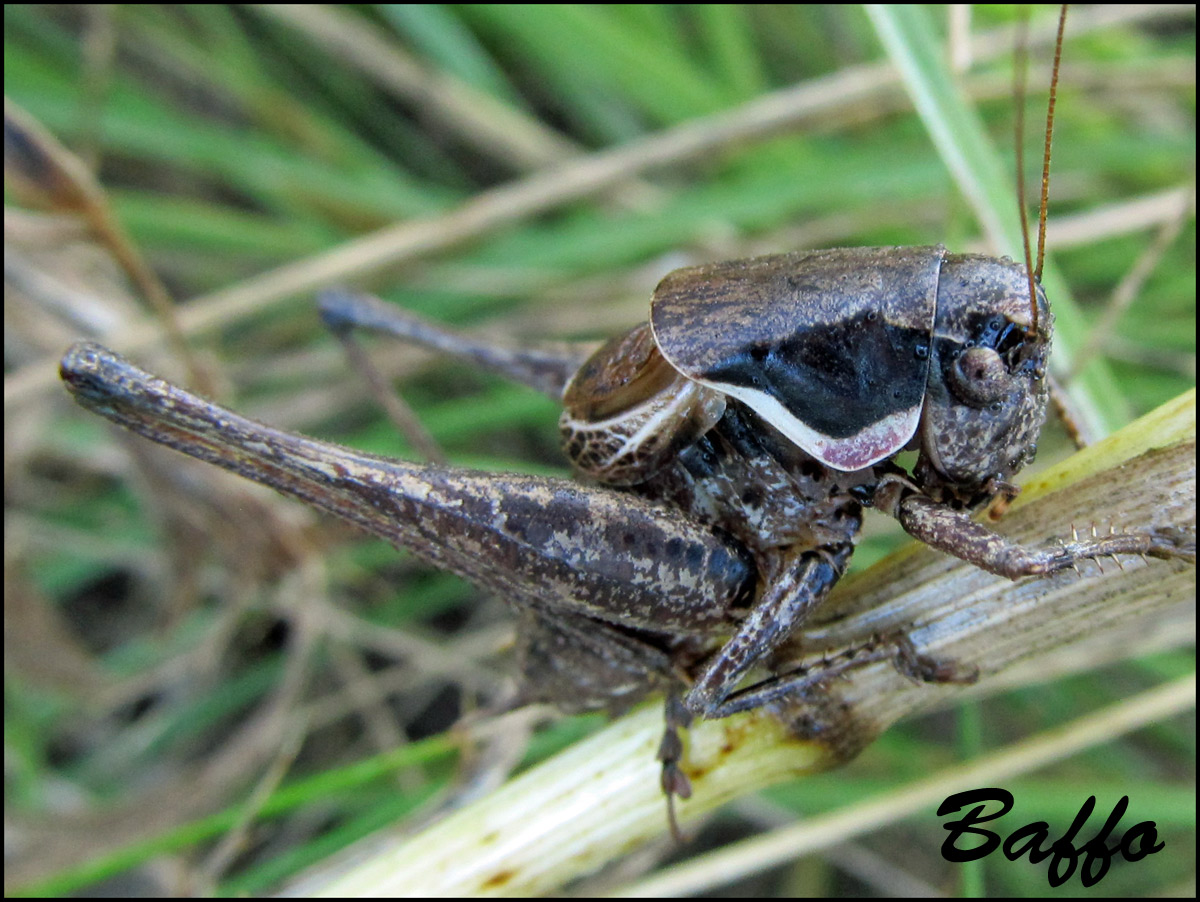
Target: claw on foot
670 752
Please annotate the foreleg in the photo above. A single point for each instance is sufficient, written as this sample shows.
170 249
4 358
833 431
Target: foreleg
955 533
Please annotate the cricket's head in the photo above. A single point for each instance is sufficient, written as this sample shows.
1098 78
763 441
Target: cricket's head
985 399
988 385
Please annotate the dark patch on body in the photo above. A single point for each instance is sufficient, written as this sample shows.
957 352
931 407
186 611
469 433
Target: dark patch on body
837 378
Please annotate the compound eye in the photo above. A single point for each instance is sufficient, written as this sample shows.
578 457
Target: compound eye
979 377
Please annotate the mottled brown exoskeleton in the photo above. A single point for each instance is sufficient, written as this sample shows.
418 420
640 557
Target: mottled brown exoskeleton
729 444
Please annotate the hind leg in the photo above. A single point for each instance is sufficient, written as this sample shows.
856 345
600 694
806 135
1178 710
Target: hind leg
545 366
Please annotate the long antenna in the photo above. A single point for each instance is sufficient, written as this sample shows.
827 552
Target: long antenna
1019 75
1062 24
1020 72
